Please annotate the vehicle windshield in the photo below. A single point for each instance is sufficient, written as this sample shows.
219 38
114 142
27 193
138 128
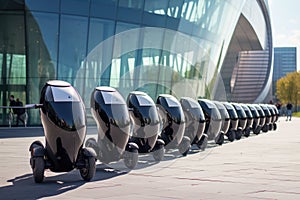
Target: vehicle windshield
67 115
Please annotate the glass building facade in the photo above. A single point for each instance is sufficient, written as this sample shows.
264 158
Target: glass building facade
195 48
285 61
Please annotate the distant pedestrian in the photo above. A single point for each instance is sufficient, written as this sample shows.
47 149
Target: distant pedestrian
20 111
289 108
278 106
12 102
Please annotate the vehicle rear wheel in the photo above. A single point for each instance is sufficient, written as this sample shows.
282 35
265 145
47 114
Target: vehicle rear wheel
274 126
247 132
265 128
238 134
220 139
257 130
184 146
159 154
38 169
231 135
202 143
131 158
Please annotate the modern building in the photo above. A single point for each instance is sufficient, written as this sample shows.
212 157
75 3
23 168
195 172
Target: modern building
285 61
217 49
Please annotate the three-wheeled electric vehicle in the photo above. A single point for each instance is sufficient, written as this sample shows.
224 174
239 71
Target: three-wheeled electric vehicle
173 124
268 116
250 119
242 120
111 114
225 121
234 121
64 121
195 121
263 118
256 126
213 119
145 124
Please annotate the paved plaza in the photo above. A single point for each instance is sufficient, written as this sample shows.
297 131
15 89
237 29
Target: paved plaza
265 166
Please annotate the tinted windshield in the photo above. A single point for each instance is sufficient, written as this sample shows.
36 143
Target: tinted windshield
67 115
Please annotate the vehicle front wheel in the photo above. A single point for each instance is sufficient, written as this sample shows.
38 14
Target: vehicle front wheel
88 172
38 169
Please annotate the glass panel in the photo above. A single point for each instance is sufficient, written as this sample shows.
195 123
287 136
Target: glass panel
72 46
130 10
172 102
12 59
112 98
44 5
99 31
42 40
64 94
104 8
17 69
79 7
100 44
144 100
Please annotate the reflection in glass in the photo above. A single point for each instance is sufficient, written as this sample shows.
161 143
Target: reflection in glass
72 46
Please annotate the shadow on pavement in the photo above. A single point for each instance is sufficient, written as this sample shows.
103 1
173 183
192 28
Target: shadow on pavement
24 186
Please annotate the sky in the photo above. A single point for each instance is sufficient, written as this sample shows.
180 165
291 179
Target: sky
285 22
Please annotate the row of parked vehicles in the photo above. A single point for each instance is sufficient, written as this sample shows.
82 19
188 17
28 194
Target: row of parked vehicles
137 125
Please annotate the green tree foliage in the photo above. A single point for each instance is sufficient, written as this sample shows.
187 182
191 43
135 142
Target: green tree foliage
288 88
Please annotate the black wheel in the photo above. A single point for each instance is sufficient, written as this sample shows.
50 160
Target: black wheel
220 139
265 128
238 134
247 132
202 143
231 135
274 126
270 127
131 158
159 154
257 130
91 142
38 169
184 146
88 172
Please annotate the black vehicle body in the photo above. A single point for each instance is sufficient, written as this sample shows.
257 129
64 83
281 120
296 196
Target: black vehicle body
64 121
225 121
173 123
195 120
234 121
263 117
242 120
111 114
268 117
250 120
213 119
256 126
274 113
145 124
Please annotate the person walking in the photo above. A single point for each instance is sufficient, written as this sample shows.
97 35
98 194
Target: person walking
289 108
12 102
20 111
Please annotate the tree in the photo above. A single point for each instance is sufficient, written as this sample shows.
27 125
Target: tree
288 88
